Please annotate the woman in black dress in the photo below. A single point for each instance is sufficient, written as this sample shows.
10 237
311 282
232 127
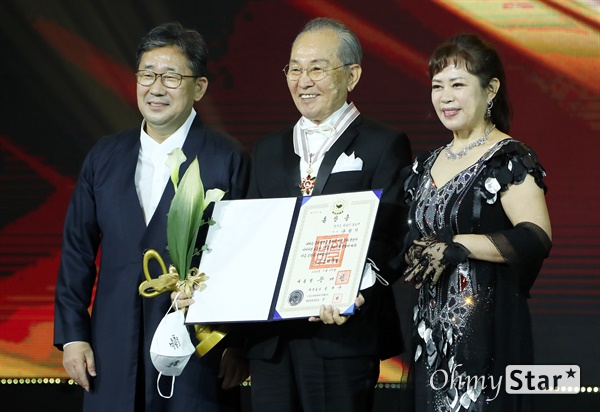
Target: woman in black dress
479 232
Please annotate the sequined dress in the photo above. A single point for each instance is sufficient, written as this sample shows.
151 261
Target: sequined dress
475 321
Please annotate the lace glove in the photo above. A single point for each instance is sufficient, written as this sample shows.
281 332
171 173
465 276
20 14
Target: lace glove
414 254
429 258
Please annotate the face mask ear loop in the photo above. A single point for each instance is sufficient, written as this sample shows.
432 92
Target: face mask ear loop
160 373
172 386
174 304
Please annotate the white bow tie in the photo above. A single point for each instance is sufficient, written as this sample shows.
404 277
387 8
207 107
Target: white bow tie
325 130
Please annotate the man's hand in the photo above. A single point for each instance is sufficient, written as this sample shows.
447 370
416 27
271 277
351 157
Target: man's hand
183 301
329 315
78 361
234 369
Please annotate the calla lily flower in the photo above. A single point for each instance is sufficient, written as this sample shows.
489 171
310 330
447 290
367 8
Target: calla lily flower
174 160
213 195
186 211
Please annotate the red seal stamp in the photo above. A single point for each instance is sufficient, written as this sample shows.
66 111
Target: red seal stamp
329 251
342 277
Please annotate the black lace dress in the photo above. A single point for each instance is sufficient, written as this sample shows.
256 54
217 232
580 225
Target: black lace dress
475 321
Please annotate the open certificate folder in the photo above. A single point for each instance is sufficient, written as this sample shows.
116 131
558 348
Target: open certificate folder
272 259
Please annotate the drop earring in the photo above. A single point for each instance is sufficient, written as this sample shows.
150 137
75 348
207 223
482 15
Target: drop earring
488 112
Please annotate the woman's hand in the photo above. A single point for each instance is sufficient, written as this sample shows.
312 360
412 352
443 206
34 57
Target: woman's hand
428 264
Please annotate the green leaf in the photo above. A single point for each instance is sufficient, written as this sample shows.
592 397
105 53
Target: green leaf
183 221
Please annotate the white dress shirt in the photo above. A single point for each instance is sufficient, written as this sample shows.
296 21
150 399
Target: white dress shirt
316 140
152 173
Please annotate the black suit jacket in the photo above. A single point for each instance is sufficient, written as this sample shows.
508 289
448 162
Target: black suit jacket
373 330
105 213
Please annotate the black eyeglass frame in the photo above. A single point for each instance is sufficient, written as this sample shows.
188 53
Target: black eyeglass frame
178 76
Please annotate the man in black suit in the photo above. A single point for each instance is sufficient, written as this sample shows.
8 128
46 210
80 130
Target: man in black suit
120 205
316 366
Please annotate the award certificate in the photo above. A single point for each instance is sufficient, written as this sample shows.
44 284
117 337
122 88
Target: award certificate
272 259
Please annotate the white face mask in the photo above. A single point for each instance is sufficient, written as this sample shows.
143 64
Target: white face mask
171 347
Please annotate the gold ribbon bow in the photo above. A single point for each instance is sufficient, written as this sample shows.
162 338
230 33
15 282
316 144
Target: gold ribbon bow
169 281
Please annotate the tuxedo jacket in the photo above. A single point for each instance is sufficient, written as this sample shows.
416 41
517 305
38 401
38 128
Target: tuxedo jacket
374 329
105 214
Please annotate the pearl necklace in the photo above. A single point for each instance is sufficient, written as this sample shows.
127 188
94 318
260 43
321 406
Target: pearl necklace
453 156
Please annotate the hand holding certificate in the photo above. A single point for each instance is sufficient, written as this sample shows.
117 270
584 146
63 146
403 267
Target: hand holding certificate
330 315
271 259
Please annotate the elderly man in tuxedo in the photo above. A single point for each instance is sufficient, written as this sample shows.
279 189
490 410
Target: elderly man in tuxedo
330 363
120 206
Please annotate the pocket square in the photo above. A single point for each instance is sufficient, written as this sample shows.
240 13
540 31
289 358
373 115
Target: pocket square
346 163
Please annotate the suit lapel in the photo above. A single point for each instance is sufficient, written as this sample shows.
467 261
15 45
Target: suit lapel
290 164
340 146
131 213
155 235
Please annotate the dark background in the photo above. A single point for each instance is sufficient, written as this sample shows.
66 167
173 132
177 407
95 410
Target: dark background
67 80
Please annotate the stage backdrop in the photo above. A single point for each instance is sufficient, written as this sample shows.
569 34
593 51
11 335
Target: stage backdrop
67 79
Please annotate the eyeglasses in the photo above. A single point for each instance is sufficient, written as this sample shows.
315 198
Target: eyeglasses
169 79
315 73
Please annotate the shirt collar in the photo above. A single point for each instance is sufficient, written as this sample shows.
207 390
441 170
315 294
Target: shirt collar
177 139
330 120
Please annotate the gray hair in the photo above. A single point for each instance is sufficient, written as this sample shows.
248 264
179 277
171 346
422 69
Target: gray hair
189 42
350 51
